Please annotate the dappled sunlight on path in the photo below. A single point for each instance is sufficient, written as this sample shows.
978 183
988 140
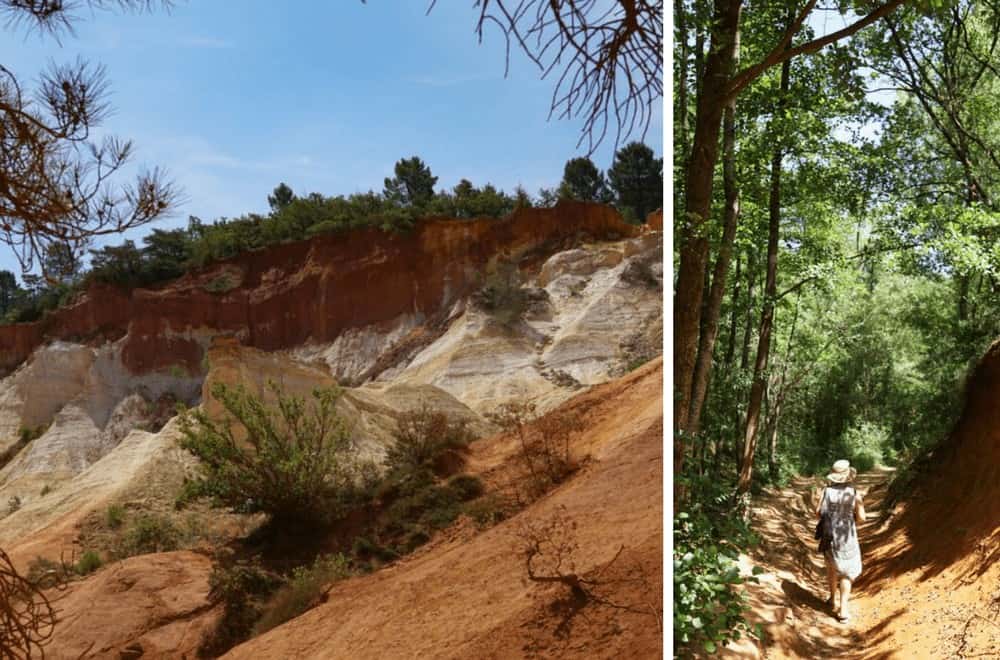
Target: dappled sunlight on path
790 600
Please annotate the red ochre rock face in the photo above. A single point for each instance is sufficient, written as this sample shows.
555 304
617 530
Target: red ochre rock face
655 220
310 290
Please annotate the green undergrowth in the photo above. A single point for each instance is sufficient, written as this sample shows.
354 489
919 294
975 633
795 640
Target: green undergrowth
710 606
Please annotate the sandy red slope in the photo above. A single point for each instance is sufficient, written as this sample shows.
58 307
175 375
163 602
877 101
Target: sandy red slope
469 598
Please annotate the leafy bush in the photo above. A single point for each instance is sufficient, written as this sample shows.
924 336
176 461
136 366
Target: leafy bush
26 435
148 533
866 443
46 489
13 504
364 548
306 589
114 516
240 586
45 573
502 294
221 284
424 438
89 562
486 511
466 487
295 463
709 608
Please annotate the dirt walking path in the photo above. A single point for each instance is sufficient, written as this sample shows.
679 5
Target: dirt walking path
898 608
790 599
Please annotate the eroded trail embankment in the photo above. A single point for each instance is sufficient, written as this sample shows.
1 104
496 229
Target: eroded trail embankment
904 605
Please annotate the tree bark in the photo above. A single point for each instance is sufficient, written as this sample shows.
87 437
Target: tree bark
694 232
759 384
710 325
733 316
680 16
748 324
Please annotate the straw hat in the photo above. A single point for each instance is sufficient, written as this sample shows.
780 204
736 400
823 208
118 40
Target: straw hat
842 472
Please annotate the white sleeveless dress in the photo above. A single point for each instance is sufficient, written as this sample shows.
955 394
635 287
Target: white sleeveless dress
844 552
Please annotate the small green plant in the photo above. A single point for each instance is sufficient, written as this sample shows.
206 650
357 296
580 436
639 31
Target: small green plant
89 562
26 434
502 294
147 533
306 589
221 284
486 511
364 548
424 438
241 587
865 442
114 516
709 607
296 463
177 371
465 487
46 489
13 504
45 573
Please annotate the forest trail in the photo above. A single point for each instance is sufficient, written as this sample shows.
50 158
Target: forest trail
789 601
895 612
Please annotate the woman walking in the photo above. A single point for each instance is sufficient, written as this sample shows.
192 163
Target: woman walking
842 502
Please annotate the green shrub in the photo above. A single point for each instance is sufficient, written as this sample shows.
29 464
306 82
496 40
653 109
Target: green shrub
13 504
364 548
148 533
296 463
502 294
423 439
240 586
306 589
89 562
434 506
466 487
486 511
709 608
46 489
221 284
114 516
26 435
864 443
45 573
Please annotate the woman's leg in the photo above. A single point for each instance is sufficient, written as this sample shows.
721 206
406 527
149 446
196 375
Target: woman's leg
845 594
831 578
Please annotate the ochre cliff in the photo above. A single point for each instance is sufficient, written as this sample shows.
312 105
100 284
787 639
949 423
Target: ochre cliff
311 290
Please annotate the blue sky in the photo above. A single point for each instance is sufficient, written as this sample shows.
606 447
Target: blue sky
234 97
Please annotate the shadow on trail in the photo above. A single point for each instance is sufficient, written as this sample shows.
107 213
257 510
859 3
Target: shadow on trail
950 513
804 597
792 606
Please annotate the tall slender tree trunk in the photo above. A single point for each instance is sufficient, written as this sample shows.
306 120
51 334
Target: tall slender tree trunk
733 315
694 230
759 384
680 21
748 318
710 319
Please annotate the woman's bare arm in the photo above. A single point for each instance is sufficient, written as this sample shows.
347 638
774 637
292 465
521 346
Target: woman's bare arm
819 505
859 509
